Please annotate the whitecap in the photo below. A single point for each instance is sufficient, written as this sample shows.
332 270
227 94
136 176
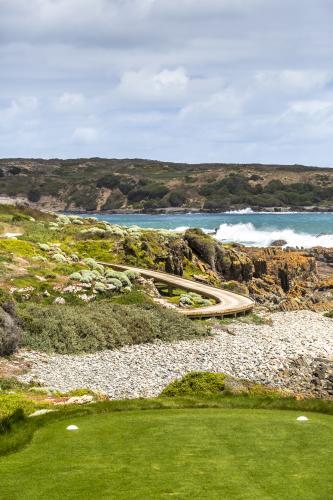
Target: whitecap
248 234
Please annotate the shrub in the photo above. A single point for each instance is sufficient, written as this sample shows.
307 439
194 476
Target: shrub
132 275
10 333
205 384
150 191
177 198
34 195
329 314
109 181
103 325
7 421
196 383
135 297
11 384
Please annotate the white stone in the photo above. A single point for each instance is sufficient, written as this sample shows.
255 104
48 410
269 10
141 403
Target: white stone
37 413
80 400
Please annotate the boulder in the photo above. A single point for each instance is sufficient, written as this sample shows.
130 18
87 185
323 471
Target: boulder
279 243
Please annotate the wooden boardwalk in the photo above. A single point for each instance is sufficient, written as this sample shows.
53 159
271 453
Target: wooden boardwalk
227 303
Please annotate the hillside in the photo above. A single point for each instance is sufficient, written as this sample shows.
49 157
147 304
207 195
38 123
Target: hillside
97 184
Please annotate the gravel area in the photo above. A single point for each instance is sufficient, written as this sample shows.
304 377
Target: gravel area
286 354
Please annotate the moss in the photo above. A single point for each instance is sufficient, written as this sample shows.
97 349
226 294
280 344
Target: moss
135 297
236 287
19 247
100 250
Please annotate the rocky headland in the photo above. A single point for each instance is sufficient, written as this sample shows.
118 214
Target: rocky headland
50 267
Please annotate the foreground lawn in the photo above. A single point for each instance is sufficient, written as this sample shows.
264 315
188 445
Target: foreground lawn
188 453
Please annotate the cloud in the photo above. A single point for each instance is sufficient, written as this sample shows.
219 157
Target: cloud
69 102
224 104
187 80
311 107
85 135
292 80
166 84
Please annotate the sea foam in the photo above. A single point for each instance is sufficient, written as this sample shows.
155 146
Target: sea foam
247 234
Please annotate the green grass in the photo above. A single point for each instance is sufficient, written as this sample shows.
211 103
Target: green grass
250 318
188 453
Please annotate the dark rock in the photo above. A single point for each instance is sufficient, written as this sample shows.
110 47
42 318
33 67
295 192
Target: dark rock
278 243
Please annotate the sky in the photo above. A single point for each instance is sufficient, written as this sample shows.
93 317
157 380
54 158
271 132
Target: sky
174 80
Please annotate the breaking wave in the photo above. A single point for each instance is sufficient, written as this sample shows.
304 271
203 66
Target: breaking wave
242 211
247 234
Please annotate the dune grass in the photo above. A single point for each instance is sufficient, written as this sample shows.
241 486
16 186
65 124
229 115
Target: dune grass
184 453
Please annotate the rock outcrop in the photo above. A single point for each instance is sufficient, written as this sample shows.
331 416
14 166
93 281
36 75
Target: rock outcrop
228 262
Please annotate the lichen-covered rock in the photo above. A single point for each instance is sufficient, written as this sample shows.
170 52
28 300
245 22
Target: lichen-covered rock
10 333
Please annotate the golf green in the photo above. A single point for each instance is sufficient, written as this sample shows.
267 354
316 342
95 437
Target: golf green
192 453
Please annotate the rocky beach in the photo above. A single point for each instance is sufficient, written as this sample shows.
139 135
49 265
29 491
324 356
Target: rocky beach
294 353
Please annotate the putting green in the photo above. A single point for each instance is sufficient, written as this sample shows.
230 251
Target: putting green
197 454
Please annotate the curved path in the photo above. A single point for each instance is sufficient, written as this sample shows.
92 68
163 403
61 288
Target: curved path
227 302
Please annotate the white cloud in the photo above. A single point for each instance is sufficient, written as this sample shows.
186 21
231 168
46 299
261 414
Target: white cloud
227 103
170 79
85 135
311 107
292 80
23 105
68 102
166 84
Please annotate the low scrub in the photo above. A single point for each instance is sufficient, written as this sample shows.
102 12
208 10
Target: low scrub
206 384
196 383
92 327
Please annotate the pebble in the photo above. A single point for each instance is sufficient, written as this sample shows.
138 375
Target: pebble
278 355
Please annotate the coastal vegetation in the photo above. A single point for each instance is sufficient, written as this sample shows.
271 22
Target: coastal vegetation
60 296
69 329
57 296
98 184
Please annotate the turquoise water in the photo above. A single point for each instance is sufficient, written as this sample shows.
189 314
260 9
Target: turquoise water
297 229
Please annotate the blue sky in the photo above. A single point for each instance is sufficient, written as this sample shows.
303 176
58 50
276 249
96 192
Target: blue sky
175 80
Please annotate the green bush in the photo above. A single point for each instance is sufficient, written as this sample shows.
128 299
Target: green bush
196 383
329 314
7 422
206 384
11 384
102 325
135 297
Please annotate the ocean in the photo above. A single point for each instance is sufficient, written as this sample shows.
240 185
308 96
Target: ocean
246 227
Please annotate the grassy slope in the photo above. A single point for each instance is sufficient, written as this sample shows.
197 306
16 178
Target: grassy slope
205 453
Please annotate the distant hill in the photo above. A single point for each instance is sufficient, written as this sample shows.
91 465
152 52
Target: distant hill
98 184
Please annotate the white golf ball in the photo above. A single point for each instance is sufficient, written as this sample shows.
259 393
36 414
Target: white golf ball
302 419
72 428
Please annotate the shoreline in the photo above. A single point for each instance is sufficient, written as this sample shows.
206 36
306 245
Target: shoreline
193 210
